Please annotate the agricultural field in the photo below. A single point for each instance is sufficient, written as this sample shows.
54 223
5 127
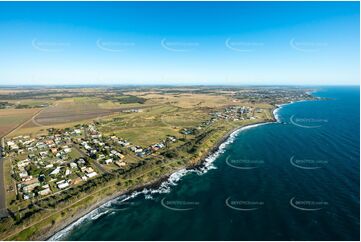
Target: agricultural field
68 112
13 118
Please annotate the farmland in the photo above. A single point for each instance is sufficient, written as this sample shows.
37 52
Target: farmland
12 118
68 112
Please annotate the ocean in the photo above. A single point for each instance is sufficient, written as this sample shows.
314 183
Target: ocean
297 179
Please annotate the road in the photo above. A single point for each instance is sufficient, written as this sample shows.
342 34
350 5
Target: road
78 201
100 167
23 123
3 210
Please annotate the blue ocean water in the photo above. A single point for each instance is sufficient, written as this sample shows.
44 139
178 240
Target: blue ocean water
293 180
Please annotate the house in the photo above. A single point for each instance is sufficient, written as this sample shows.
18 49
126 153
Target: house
115 138
62 184
54 150
124 143
88 170
50 143
92 174
45 186
14 147
23 163
43 153
172 138
120 156
67 150
45 192
56 171
155 148
135 149
67 172
120 163
23 174
108 161
10 143
73 165
81 161
76 181
31 185
114 152
41 145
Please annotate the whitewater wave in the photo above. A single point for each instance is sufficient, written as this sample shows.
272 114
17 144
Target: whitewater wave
280 106
164 187
96 216
92 215
276 112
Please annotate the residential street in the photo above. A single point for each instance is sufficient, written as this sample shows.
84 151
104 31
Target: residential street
3 211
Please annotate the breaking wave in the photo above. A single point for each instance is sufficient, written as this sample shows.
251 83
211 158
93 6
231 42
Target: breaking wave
276 111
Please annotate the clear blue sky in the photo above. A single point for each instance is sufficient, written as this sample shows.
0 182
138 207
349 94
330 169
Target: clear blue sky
180 43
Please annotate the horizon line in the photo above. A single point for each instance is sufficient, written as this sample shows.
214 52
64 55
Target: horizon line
176 85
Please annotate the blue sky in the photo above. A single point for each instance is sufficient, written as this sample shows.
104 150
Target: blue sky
235 43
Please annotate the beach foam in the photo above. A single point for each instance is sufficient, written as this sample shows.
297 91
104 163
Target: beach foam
276 112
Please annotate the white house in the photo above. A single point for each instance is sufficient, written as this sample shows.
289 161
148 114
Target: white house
62 184
92 174
56 171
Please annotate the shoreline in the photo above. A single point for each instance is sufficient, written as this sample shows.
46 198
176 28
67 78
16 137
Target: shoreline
84 213
202 163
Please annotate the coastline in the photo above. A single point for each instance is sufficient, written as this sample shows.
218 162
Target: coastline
203 165
82 215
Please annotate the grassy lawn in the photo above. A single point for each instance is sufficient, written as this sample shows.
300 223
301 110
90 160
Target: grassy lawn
10 194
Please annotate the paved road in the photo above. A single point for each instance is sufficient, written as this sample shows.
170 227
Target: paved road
100 167
3 210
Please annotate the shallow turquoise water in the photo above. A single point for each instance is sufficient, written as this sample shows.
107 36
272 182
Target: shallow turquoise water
295 180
